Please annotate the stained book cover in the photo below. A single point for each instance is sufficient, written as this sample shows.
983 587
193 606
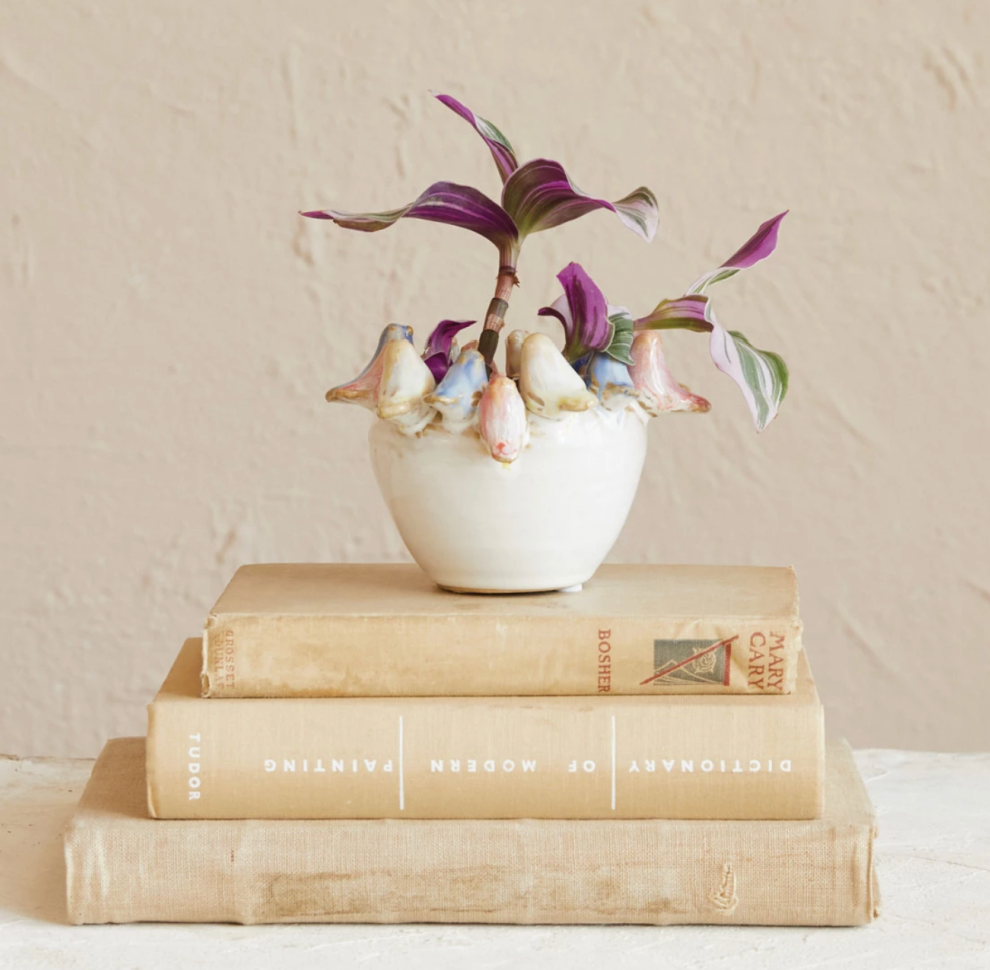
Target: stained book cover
731 756
324 630
123 866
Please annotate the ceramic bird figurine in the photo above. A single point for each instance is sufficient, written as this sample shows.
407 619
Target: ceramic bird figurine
456 397
363 389
513 351
549 385
502 419
406 380
609 379
659 390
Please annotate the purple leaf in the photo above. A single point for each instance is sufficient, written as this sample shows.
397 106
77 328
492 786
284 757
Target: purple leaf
583 312
539 195
438 344
498 144
456 205
442 336
760 245
438 365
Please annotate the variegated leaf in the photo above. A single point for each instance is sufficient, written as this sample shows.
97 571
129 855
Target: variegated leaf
761 375
582 311
760 245
456 205
498 144
623 332
539 195
685 313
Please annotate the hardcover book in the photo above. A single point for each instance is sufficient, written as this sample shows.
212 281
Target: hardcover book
124 867
316 630
673 756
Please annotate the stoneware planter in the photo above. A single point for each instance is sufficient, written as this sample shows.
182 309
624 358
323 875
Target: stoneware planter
542 522
514 482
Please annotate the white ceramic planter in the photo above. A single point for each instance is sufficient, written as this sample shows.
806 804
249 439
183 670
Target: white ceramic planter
544 522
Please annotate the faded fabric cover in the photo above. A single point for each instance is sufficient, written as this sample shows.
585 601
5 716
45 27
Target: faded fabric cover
293 629
725 757
123 866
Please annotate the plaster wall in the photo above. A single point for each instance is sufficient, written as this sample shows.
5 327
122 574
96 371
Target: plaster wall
169 324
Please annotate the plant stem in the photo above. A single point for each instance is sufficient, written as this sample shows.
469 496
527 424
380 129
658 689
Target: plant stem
495 317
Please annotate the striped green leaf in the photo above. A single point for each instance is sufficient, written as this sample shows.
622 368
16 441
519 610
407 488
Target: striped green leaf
498 144
623 325
761 374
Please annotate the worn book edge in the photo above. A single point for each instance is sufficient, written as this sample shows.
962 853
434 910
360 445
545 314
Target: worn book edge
287 630
278 758
123 866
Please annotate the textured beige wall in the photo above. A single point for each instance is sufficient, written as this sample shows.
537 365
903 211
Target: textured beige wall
170 325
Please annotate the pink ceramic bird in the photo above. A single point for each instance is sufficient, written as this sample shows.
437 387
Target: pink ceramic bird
658 388
503 422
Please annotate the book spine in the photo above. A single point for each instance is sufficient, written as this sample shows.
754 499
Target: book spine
807 874
266 655
485 758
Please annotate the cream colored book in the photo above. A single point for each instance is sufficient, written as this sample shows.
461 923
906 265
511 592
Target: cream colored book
317 630
125 867
673 756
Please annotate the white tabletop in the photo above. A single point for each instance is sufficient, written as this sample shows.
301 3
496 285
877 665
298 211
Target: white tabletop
934 863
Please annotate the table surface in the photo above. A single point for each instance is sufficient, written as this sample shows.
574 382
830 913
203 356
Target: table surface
934 864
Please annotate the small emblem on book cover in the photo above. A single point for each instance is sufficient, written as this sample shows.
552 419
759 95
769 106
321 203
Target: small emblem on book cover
686 662
724 898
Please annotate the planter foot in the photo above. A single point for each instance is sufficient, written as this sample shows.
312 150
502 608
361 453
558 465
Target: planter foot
510 592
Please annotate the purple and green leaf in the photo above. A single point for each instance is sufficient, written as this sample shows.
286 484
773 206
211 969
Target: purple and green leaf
762 376
447 202
623 332
582 311
760 245
498 144
685 313
539 195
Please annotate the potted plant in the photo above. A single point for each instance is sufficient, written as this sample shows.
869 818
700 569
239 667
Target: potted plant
520 477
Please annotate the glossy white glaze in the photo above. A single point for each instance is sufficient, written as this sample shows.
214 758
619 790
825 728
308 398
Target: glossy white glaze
545 521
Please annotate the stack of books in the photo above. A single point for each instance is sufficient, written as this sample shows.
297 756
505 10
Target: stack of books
350 743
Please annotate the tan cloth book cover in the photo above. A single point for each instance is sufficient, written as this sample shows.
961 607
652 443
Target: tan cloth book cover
324 630
672 756
125 867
